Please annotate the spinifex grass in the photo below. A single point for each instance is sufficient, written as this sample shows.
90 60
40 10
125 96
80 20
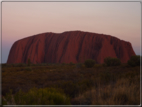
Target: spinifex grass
45 96
97 85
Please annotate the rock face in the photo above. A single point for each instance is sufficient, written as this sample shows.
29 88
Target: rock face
72 46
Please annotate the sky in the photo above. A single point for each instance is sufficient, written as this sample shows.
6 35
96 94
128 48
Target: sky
24 19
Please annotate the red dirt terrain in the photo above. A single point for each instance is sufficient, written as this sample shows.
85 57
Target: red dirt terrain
71 46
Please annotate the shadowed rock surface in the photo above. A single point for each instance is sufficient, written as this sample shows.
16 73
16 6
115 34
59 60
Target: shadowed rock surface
71 46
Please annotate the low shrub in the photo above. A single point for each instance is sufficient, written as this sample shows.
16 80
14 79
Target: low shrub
112 61
134 61
45 96
7 65
71 63
89 63
99 65
63 63
28 69
43 64
19 65
4 65
79 65
29 62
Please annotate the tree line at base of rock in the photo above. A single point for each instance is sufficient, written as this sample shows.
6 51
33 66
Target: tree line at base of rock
133 61
89 63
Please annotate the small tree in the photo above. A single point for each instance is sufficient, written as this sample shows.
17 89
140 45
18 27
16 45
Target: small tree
134 61
29 62
89 63
112 61
71 63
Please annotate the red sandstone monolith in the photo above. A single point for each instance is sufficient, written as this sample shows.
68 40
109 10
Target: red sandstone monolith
72 46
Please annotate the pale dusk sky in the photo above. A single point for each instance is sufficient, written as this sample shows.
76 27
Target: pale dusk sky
23 19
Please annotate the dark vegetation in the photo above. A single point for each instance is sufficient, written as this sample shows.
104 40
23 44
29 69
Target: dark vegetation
89 63
112 61
75 84
29 62
134 61
44 96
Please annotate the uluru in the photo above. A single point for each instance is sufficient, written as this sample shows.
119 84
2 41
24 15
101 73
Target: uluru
70 46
